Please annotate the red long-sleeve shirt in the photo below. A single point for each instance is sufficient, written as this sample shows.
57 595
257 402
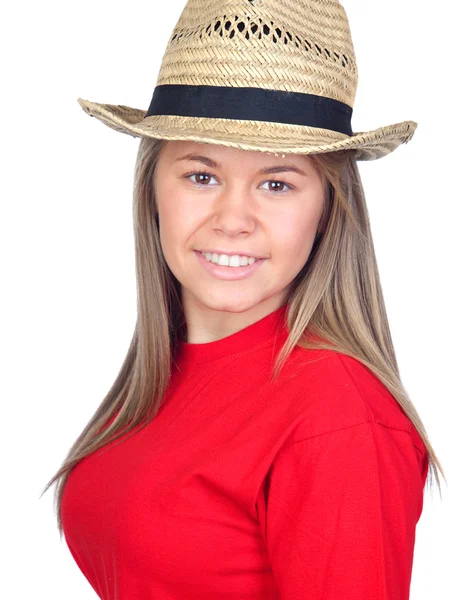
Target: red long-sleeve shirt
245 489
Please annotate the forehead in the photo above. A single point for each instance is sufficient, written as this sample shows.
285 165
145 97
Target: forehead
174 150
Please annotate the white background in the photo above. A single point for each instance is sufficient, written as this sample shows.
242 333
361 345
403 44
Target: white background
69 295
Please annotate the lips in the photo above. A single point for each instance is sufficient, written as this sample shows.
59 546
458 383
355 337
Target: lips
228 273
239 253
241 258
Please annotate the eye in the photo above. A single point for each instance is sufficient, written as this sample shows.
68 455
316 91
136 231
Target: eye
200 175
276 190
201 178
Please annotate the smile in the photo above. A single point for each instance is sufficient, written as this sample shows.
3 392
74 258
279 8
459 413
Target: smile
230 273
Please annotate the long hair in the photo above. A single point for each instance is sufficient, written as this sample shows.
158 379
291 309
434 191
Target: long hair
336 296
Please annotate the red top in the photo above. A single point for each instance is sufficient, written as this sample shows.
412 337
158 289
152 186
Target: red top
242 488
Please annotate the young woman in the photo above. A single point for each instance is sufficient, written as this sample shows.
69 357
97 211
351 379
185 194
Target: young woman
258 442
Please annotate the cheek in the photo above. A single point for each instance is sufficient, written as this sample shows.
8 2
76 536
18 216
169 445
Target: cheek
295 238
170 220
176 219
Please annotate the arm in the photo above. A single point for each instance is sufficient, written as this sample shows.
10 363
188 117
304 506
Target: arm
339 512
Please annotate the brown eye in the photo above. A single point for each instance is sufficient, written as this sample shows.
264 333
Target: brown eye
276 186
201 178
279 187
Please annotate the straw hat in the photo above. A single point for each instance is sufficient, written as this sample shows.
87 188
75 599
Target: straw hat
276 76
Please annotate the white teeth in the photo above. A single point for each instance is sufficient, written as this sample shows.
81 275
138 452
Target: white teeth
229 261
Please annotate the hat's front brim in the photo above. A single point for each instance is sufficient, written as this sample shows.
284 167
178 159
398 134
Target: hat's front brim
262 136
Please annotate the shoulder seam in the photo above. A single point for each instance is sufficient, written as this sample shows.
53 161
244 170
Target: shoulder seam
316 435
340 356
349 427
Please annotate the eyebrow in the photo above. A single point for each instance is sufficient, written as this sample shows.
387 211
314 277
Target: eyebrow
214 165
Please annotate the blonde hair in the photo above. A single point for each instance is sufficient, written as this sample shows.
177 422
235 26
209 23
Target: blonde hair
337 296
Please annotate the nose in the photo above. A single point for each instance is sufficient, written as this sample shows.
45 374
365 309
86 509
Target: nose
234 211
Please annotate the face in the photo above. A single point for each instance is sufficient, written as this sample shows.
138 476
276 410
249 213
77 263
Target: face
254 204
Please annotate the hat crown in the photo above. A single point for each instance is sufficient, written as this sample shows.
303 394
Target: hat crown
289 45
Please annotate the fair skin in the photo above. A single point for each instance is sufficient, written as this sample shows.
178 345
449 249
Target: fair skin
234 208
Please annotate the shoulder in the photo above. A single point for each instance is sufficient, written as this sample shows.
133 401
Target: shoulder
334 391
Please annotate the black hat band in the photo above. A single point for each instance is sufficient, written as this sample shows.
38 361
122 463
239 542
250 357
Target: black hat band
253 104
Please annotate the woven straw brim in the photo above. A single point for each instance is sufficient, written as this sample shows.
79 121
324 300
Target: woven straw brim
260 136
